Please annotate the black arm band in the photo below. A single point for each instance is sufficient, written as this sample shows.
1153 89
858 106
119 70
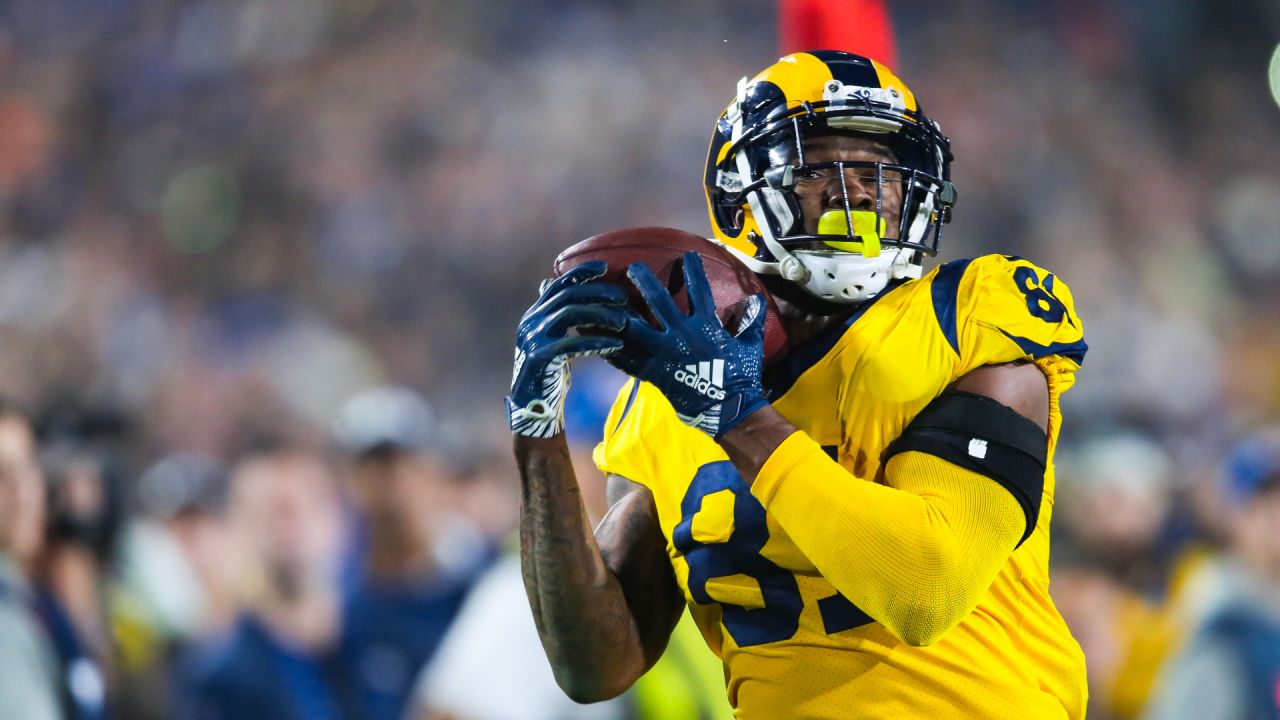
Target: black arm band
981 435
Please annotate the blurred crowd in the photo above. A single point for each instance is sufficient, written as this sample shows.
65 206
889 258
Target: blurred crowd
242 240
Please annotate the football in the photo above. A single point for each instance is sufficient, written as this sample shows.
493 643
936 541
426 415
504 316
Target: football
662 250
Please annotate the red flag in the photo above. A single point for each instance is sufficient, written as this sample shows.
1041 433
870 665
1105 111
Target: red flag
858 26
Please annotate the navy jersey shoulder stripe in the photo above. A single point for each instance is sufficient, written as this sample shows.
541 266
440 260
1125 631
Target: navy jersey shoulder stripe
1072 351
631 400
946 286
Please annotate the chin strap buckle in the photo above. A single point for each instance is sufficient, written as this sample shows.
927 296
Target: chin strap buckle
903 268
790 268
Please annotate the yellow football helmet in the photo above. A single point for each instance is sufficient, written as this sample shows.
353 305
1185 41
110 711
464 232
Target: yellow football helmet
757 156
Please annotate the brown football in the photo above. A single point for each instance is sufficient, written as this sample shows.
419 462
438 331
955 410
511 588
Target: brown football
662 249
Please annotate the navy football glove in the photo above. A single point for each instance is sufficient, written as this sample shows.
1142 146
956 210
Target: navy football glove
710 376
544 346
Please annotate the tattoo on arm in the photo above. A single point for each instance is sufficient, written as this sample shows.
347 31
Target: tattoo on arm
582 605
635 549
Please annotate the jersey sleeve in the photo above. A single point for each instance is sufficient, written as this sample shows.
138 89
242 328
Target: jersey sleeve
624 449
1010 309
915 554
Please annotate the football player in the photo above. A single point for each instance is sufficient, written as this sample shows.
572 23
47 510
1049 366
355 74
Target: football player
860 529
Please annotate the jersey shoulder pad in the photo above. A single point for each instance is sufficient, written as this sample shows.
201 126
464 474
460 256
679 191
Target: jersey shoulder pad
1006 308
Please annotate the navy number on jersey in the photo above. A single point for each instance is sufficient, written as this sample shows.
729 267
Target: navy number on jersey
1041 301
738 553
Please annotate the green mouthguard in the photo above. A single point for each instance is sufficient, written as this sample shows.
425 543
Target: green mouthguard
835 222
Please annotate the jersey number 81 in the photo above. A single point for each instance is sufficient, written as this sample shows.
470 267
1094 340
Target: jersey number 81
779 618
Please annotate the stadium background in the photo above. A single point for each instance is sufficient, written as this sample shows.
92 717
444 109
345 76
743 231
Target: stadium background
224 219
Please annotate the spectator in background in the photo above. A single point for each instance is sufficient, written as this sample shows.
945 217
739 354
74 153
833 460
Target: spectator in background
488 496
1117 505
29 678
82 444
184 496
175 584
83 515
279 660
1230 669
1112 580
417 557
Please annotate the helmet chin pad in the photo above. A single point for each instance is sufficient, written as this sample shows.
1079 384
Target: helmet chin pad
849 278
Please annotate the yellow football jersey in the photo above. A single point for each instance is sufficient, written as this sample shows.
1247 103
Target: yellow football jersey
793 647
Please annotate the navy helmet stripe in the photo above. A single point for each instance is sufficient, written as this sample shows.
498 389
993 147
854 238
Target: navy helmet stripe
764 101
848 69
946 286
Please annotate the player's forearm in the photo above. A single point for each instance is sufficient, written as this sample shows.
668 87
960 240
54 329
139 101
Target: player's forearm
578 605
916 556
752 442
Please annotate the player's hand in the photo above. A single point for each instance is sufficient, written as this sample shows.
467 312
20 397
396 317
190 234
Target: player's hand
545 343
710 375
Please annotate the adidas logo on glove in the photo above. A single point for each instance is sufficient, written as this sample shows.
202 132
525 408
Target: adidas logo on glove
705 377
